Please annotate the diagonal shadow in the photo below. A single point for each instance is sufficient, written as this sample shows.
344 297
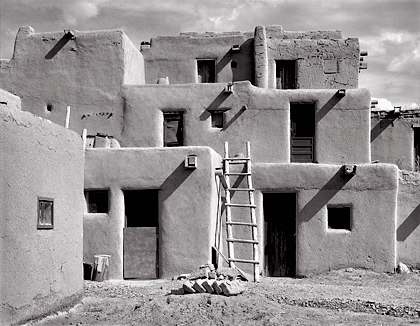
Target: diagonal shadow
63 41
223 62
324 195
234 118
409 225
327 107
214 105
380 127
174 180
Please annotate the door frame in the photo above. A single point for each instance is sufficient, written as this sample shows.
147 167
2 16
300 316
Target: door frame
265 228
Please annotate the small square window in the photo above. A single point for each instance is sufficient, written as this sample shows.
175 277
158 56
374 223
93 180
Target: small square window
339 217
97 201
217 119
45 213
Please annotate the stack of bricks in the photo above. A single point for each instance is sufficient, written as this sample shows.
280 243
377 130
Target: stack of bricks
224 281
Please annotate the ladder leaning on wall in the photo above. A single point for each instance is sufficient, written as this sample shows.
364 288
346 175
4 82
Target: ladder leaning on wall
230 189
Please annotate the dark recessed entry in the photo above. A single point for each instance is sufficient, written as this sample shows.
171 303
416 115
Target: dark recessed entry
141 234
280 250
302 125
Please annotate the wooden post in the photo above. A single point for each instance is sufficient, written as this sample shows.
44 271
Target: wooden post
67 117
84 136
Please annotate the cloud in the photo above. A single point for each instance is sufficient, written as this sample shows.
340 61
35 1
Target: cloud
76 11
407 61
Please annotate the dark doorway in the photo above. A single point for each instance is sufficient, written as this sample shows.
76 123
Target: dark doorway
141 234
285 74
206 70
302 129
173 129
416 149
280 218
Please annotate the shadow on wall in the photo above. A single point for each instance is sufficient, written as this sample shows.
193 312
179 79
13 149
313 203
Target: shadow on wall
214 105
323 196
409 225
174 181
60 44
234 58
327 107
380 127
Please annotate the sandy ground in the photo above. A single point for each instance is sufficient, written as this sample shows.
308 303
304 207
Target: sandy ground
346 297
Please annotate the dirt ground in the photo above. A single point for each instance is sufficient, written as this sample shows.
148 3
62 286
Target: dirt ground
345 297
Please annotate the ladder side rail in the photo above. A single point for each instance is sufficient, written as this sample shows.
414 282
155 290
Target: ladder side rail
253 215
231 251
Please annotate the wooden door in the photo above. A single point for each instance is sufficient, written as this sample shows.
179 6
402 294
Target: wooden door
141 234
302 128
280 218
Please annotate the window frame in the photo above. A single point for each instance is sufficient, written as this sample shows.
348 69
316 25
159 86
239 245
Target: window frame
221 114
87 200
212 75
179 134
350 217
41 210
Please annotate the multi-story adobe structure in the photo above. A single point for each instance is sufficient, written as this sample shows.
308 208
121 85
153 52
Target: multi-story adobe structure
323 202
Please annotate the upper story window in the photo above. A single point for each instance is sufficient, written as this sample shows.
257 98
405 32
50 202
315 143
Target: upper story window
97 201
173 129
286 74
206 70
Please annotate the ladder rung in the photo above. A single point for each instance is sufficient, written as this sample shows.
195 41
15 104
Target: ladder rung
242 223
238 173
242 240
244 261
236 159
241 205
241 189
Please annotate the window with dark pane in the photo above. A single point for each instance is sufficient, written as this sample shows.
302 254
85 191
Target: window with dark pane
173 129
97 201
339 217
217 119
206 70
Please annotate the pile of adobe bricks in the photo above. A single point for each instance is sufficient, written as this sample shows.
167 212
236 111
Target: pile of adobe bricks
223 281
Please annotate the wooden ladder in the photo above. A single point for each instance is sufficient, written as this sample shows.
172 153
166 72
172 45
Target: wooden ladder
246 172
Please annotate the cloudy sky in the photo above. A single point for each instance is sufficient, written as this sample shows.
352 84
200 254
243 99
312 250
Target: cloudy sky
388 29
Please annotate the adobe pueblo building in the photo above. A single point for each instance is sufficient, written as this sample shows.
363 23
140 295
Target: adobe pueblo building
333 183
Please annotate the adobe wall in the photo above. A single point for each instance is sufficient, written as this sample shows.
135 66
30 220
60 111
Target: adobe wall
392 139
324 58
176 56
187 204
372 194
41 270
258 115
408 218
50 71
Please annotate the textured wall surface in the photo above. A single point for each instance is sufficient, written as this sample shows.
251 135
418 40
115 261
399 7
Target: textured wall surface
187 204
372 193
50 71
392 140
259 115
408 231
40 270
176 57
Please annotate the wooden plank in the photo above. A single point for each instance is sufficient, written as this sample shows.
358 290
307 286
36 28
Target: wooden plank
140 252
